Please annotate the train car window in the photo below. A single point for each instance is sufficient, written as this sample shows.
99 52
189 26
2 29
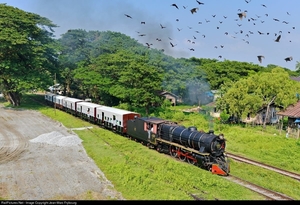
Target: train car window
147 126
114 117
154 128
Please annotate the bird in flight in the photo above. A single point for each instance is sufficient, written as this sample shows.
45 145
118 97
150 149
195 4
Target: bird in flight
149 44
162 26
194 10
128 16
172 44
175 5
241 15
200 2
260 33
260 58
278 38
288 59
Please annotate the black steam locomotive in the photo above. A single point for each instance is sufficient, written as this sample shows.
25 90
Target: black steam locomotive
199 148
205 150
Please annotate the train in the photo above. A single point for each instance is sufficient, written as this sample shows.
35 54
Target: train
203 149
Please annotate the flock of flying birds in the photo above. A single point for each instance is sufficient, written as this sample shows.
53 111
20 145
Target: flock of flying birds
241 16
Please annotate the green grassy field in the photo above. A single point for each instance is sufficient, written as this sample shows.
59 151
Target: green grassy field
140 173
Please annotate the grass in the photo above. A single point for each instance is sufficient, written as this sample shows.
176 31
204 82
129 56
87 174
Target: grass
276 150
140 173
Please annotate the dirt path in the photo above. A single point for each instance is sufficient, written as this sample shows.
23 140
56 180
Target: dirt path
31 170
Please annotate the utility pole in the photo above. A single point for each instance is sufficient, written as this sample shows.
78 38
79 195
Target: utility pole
54 88
54 79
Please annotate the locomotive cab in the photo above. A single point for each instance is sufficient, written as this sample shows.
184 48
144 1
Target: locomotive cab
144 129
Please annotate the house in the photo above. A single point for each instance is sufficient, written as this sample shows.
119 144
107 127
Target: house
174 99
213 109
57 88
258 119
216 94
260 116
292 112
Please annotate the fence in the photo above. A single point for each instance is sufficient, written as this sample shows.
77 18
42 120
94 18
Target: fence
293 133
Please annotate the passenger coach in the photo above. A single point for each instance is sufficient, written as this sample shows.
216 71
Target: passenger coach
70 105
87 110
115 118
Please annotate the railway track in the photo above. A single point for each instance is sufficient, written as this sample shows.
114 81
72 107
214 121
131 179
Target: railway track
269 194
269 167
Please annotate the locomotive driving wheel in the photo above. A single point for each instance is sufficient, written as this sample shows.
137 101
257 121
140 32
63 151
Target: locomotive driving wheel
182 156
190 160
173 151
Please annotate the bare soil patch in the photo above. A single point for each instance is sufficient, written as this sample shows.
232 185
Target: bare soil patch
46 170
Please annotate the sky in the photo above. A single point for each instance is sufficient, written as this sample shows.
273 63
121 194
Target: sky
214 31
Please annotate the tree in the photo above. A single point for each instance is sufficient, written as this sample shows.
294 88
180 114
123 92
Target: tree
27 52
130 78
247 95
227 71
75 48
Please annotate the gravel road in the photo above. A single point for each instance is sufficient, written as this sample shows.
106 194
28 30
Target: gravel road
42 160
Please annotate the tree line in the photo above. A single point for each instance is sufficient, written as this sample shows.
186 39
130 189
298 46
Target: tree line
116 70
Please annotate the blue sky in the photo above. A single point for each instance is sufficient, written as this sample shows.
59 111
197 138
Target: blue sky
240 39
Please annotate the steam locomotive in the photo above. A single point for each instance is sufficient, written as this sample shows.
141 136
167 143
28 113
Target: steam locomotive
206 150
